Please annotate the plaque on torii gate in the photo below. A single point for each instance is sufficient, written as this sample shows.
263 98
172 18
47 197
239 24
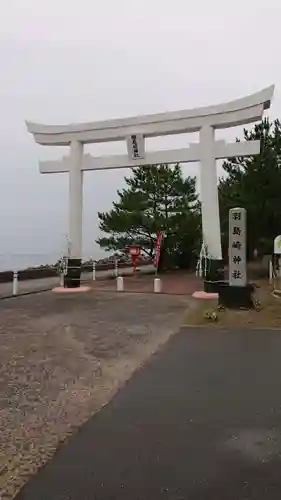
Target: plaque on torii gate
134 131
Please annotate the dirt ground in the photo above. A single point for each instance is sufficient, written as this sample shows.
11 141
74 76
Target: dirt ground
177 282
269 315
64 357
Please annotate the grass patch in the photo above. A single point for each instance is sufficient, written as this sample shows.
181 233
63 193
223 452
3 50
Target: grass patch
269 315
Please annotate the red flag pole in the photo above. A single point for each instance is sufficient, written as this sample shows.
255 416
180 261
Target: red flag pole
157 251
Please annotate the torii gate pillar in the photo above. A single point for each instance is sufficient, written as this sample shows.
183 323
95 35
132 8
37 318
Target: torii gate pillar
210 203
75 214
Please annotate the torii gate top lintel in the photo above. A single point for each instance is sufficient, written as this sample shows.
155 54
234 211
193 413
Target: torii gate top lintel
240 111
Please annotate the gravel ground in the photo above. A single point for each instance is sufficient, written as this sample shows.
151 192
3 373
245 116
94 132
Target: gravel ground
64 357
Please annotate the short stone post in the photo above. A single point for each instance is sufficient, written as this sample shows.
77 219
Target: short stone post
157 285
120 284
62 279
94 271
15 282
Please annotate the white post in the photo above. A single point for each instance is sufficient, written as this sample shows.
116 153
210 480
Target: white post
209 193
94 271
157 285
270 272
15 283
75 199
61 279
120 284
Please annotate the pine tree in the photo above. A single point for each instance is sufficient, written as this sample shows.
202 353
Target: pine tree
255 184
156 198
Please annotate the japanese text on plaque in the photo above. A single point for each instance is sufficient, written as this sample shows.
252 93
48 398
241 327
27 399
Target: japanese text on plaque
237 247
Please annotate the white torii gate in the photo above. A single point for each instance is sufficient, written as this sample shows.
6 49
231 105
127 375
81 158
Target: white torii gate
134 130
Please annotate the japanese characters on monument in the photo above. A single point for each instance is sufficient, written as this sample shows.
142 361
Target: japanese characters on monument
237 247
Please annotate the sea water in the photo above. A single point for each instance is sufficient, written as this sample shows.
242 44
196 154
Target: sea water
12 261
17 261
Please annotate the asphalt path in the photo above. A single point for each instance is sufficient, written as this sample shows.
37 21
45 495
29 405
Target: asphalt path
200 421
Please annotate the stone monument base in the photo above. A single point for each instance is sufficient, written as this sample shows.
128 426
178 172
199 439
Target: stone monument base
211 286
235 297
214 270
73 276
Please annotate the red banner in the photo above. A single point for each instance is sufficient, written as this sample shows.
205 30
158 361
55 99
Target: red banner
158 248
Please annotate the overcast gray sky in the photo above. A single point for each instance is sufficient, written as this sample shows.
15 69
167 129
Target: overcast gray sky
83 60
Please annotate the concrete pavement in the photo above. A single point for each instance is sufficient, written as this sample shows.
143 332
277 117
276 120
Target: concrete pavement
200 421
49 283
